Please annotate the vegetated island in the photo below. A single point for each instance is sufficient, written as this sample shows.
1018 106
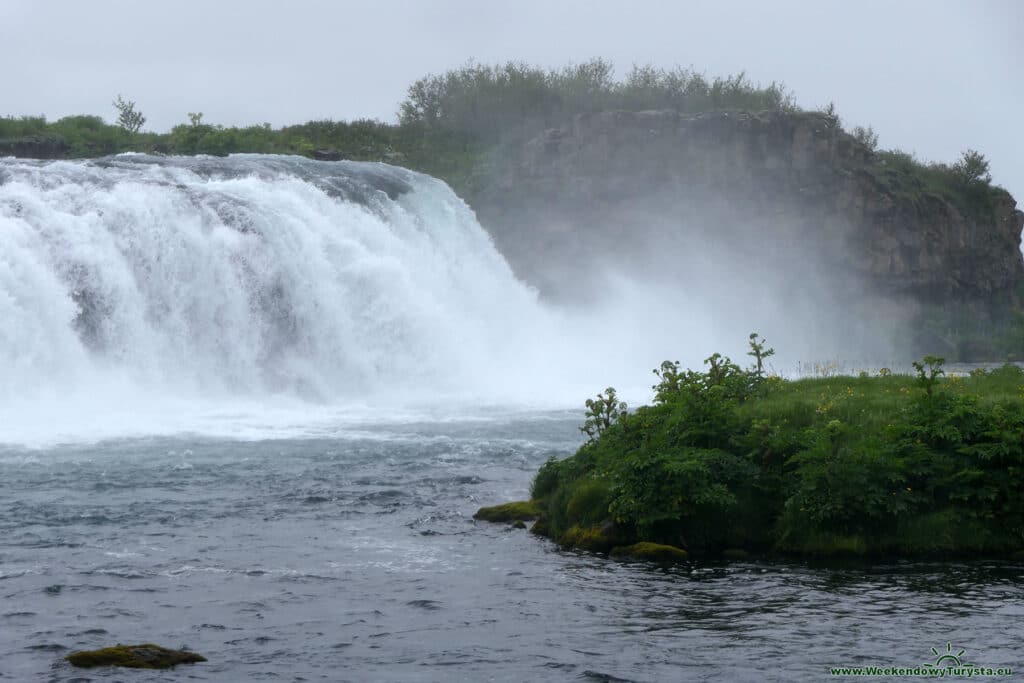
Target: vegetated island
733 463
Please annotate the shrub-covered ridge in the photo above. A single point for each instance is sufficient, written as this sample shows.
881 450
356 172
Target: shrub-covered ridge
729 460
456 124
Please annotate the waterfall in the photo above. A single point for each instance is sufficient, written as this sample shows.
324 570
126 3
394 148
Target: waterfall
248 275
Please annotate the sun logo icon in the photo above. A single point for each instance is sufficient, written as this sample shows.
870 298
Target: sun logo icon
948 658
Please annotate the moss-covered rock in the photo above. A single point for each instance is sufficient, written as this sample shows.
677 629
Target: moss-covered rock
145 656
597 538
591 538
650 551
523 510
519 524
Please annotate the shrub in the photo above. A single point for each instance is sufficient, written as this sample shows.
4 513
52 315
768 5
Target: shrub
866 136
972 168
602 413
824 465
545 481
516 100
759 353
928 371
128 117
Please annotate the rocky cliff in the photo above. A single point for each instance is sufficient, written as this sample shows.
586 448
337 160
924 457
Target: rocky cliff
784 179
769 187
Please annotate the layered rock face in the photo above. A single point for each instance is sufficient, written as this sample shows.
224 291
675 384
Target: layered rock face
34 147
770 191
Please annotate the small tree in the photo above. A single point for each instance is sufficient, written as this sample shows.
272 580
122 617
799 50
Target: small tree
928 371
759 353
128 117
602 413
972 168
830 111
720 369
670 381
866 136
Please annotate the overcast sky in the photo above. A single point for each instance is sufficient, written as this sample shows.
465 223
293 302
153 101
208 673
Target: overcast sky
932 77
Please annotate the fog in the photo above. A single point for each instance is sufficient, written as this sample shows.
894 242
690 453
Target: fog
670 277
933 78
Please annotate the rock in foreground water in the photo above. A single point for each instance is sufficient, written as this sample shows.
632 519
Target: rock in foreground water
656 552
145 656
524 510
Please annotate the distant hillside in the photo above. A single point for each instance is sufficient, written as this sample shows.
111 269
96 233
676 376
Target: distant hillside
784 202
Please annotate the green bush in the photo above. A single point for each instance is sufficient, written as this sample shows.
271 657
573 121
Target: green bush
972 168
516 100
866 136
725 458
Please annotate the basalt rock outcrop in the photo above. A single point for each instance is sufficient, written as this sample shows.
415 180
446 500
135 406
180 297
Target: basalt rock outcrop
775 190
34 147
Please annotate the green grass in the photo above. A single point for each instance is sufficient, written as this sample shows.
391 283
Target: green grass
906 177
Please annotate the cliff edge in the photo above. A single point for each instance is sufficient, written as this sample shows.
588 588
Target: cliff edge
764 190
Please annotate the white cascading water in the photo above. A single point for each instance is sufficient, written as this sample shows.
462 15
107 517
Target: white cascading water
135 290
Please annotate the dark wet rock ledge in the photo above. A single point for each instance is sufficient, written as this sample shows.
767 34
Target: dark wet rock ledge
145 656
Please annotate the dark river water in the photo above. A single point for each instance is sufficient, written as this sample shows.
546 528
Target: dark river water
357 559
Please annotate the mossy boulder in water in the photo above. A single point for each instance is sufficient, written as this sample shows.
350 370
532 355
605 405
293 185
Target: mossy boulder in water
651 551
145 656
523 510
596 538
585 538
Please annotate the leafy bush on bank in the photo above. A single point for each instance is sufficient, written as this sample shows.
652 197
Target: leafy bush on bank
729 459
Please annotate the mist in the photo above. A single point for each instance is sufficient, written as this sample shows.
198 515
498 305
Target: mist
270 295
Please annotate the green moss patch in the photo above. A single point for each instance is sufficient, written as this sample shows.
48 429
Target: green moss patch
589 538
523 510
656 552
145 656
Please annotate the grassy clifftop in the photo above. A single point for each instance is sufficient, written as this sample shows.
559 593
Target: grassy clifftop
460 124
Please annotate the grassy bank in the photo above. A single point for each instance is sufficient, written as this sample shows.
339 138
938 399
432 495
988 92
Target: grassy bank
728 462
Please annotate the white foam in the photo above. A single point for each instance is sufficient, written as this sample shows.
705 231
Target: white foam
251 297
